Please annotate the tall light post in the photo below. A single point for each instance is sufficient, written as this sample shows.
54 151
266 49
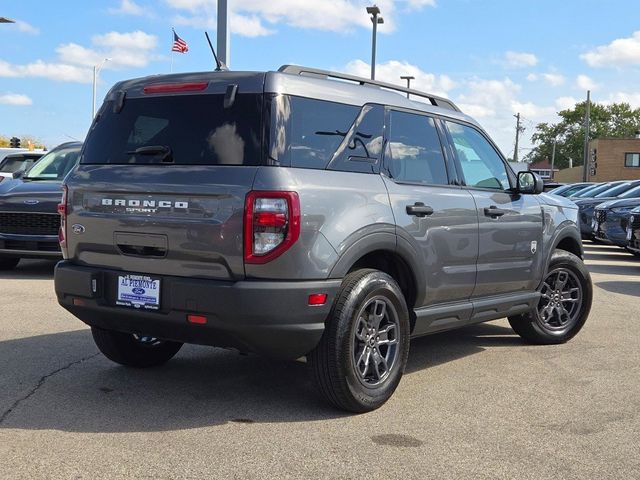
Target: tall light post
96 71
223 32
376 19
408 78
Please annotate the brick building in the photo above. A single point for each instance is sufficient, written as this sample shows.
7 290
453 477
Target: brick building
614 159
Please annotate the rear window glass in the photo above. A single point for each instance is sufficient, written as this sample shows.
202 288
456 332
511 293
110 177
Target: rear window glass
306 133
11 165
178 129
615 191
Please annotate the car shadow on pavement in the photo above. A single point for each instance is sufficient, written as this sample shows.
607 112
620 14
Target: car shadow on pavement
625 288
60 382
433 350
30 270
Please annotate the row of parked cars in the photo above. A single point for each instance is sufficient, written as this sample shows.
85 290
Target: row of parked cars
30 191
609 212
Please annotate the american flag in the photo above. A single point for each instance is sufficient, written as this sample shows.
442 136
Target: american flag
179 45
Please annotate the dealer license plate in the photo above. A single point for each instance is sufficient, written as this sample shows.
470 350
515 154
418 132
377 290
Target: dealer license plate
595 226
138 291
629 233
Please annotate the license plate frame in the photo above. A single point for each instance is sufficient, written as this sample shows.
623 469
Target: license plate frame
138 291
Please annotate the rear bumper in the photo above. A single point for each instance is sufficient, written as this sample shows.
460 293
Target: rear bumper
30 246
266 317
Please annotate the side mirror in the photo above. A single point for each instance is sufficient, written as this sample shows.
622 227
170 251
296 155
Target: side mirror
529 183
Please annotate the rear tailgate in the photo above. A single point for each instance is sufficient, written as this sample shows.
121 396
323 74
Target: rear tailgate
159 219
164 172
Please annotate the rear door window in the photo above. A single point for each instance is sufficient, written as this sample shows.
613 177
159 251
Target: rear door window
414 153
194 129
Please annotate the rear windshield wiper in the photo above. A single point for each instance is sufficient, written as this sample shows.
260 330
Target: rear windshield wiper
163 150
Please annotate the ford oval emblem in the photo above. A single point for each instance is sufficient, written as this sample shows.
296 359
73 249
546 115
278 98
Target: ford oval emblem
138 291
77 229
32 202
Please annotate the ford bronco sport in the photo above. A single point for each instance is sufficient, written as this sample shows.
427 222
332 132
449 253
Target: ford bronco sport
305 213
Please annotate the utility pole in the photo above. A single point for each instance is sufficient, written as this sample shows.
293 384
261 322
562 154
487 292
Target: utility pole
587 130
519 130
408 78
553 157
374 11
223 32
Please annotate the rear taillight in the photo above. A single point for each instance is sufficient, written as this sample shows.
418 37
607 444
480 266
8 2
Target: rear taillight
271 224
62 232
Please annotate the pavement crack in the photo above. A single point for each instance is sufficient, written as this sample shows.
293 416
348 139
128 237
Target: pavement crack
40 383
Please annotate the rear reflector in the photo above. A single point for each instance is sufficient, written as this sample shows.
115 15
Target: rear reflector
317 299
197 319
176 87
78 302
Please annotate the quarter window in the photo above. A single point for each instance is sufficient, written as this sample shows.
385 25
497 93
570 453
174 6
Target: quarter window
481 165
305 133
414 153
632 160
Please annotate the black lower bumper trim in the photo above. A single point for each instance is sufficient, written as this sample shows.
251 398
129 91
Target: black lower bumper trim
267 317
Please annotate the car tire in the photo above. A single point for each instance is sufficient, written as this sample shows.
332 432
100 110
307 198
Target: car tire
134 350
364 349
8 263
632 252
564 306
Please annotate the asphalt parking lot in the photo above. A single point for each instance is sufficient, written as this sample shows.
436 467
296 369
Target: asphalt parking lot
475 403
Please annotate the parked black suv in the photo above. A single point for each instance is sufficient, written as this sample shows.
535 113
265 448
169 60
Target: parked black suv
307 213
29 219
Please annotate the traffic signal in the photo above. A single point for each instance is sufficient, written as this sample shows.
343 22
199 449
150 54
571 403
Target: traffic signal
14 142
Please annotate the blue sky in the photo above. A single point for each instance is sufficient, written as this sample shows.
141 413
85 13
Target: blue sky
493 57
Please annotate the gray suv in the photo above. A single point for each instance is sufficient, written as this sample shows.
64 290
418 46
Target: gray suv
306 213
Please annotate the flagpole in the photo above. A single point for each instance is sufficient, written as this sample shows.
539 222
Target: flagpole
173 32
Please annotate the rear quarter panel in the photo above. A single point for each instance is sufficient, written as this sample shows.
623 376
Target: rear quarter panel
338 209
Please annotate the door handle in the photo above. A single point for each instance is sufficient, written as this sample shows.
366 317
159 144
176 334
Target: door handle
419 209
494 212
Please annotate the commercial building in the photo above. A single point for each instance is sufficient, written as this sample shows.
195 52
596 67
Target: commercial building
611 159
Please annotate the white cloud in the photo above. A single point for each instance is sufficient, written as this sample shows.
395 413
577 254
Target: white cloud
131 49
565 103
128 7
75 62
248 25
632 98
416 4
553 79
583 82
25 27
622 52
15 99
54 71
257 17
520 59
391 71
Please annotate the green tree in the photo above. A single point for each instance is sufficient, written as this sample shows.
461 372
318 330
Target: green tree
24 141
617 120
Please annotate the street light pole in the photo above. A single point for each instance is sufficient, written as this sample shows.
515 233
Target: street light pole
408 78
96 71
376 19
223 32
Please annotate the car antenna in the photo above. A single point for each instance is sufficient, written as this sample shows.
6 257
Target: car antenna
220 66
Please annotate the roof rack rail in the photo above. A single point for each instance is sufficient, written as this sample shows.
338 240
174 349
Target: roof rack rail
433 99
